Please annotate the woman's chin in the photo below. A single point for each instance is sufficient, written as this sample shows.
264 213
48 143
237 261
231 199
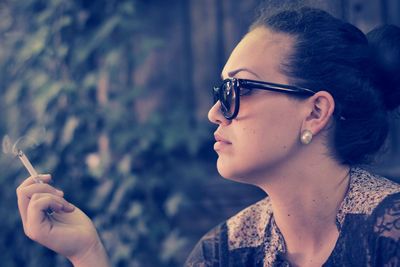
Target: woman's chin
230 171
247 174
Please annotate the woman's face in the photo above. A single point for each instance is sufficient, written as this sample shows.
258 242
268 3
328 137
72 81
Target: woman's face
264 135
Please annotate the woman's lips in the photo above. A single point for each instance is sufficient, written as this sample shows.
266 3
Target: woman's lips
221 142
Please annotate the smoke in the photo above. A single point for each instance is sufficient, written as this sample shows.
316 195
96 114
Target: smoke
34 139
6 144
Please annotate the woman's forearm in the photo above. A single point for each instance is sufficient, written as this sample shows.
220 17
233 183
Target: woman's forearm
96 256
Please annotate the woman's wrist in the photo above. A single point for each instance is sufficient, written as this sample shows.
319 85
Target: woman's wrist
95 256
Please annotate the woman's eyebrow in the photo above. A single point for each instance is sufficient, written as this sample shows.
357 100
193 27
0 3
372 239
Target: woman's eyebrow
234 72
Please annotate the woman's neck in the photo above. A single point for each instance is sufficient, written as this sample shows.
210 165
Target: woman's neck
305 202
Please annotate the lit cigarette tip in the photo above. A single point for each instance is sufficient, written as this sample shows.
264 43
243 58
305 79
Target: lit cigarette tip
28 165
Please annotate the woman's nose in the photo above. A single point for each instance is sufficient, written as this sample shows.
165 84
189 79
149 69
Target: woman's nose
215 115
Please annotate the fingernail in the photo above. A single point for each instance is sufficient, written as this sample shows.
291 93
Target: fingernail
69 207
59 192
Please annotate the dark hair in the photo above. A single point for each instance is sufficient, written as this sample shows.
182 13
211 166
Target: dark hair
335 56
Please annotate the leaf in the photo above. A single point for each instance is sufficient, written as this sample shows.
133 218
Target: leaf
135 210
173 204
62 22
171 245
102 192
93 163
124 165
13 92
68 131
45 95
38 80
127 7
33 45
62 51
119 194
97 40
90 80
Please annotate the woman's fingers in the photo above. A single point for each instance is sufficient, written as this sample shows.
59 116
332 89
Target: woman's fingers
46 178
25 193
44 201
29 190
30 187
36 218
67 230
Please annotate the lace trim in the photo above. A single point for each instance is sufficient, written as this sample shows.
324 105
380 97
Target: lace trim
247 228
388 224
255 225
274 245
365 192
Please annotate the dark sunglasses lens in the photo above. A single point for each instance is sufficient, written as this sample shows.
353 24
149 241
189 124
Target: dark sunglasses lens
226 95
227 98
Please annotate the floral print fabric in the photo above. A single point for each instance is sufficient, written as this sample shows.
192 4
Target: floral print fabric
368 221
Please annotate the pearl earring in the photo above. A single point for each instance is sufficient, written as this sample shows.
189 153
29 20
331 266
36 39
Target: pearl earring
306 137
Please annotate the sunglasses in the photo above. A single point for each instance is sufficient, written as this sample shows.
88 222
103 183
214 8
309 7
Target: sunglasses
229 92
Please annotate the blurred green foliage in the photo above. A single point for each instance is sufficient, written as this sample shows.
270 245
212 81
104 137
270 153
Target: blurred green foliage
67 81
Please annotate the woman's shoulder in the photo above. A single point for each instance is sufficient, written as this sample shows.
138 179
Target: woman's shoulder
386 217
366 191
385 226
247 228
376 199
207 251
244 229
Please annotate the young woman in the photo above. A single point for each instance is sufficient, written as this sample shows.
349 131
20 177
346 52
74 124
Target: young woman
304 100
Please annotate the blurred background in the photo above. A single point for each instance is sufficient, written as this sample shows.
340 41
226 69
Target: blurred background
111 98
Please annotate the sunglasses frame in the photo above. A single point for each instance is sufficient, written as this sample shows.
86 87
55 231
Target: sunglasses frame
253 84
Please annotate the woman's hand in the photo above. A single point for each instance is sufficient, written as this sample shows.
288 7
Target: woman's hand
67 231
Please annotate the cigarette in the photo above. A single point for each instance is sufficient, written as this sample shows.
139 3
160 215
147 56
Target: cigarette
28 166
33 173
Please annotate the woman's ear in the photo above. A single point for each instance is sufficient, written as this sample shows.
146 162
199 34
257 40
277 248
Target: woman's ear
320 108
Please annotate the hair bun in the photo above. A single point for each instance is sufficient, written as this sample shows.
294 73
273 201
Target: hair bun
384 42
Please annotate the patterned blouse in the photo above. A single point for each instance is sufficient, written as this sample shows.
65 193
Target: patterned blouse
368 221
